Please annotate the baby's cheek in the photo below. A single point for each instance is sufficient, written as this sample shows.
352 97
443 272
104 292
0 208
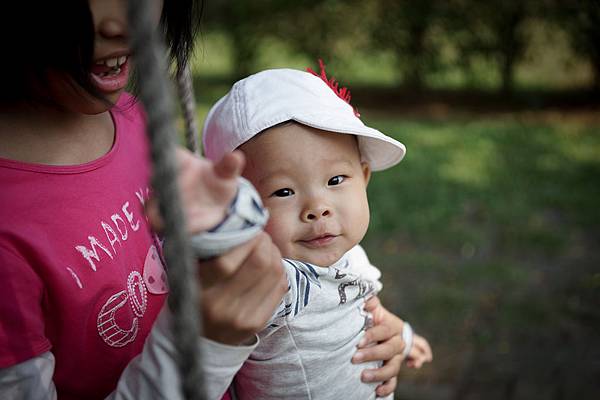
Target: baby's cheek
359 217
280 233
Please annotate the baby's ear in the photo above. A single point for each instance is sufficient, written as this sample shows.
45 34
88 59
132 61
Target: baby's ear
366 169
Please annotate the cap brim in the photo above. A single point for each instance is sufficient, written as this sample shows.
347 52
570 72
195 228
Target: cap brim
379 150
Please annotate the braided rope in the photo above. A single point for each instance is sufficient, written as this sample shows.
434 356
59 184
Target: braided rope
155 93
188 105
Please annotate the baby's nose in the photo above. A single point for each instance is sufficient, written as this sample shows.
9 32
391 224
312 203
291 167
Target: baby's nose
315 213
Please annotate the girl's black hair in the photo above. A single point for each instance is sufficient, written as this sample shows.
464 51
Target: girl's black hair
59 35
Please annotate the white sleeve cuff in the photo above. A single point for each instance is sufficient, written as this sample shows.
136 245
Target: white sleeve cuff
245 218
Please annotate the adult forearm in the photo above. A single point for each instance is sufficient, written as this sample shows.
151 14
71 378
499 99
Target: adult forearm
29 380
154 374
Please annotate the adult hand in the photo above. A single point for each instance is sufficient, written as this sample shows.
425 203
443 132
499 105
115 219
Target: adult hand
206 189
419 353
382 342
241 290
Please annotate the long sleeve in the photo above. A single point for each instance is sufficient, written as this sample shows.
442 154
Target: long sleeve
151 375
154 373
29 380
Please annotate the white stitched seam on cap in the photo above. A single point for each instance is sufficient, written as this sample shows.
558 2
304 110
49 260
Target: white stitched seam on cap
240 117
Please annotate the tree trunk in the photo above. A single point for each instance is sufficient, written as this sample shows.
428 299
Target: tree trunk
596 72
511 45
507 71
415 57
244 53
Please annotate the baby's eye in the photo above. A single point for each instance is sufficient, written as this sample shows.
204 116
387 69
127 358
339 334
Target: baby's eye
336 180
283 192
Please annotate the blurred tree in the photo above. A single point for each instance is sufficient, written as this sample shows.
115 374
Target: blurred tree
407 27
426 36
245 23
327 29
493 30
324 29
581 20
245 28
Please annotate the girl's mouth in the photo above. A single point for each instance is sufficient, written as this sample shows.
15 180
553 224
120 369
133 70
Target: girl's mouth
110 74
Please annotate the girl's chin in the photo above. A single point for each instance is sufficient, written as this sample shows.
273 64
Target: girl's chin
69 96
113 97
91 105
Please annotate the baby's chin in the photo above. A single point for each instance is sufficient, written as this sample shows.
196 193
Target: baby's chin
318 258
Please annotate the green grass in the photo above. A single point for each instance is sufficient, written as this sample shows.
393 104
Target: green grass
474 174
486 234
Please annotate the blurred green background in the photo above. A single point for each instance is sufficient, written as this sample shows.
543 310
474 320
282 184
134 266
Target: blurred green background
487 233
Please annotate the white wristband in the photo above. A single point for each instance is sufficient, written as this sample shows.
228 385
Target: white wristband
407 337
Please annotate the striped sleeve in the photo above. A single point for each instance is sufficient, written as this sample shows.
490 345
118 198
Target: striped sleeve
303 281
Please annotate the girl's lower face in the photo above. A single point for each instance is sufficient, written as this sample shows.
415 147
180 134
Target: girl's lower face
70 96
110 68
111 65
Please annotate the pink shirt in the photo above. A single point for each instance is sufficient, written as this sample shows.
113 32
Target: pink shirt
80 272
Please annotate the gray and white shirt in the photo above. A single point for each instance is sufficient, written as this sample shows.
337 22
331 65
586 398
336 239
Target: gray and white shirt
306 351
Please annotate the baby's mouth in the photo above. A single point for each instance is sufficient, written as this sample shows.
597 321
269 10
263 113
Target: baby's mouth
319 241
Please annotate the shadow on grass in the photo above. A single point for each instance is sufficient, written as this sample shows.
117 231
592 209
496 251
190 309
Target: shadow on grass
487 236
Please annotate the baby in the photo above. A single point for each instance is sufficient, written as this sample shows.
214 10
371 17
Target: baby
310 158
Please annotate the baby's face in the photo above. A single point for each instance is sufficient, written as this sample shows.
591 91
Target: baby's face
314 186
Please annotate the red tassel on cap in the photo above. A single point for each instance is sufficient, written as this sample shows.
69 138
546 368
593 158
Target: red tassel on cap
343 93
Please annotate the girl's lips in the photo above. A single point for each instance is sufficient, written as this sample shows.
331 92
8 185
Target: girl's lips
320 241
111 83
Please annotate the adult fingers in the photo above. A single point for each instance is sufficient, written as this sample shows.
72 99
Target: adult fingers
203 198
372 304
183 156
263 263
416 360
218 269
423 346
378 312
233 318
256 306
388 371
231 165
375 334
387 387
380 352
241 304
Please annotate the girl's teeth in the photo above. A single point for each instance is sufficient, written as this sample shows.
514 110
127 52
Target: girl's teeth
112 72
113 62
